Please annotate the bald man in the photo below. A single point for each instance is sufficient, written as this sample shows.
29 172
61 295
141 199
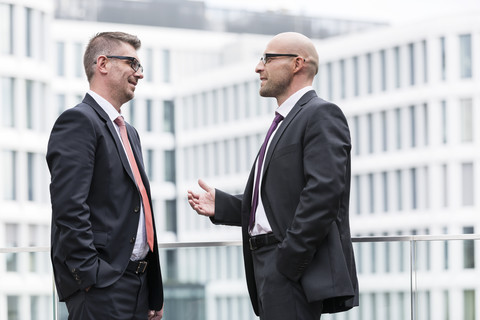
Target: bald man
297 247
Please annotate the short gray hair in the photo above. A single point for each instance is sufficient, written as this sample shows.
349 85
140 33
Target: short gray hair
105 43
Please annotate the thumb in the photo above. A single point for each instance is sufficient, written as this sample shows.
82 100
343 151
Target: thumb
204 186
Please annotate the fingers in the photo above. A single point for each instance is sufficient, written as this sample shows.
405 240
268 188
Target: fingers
204 186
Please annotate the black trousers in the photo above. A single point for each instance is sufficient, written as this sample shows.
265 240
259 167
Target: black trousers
279 298
126 299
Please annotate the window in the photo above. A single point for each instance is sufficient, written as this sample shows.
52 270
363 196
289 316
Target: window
148 65
356 80
371 190
61 101
369 73
399 190
468 184
170 172
171 215
443 59
358 194
342 79
60 59
370 130
444 122
166 66
411 55
29 112
383 71
131 112
384 137
465 56
6 28
30 176
413 125
78 65
468 250
28 32
150 164
414 188
425 61
398 128
426 126
356 137
11 240
13 308
469 305
398 76
445 184
329 81
168 116
149 114
466 114
8 101
385 190
9 175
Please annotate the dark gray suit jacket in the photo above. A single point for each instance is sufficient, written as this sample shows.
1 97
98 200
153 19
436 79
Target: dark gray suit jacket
305 192
95 203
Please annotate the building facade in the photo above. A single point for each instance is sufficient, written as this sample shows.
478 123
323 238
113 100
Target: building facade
410 95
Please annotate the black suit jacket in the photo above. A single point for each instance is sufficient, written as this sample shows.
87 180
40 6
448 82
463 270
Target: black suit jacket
305 191
95 203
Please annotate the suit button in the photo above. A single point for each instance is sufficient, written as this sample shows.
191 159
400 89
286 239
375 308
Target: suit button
132 240
136 210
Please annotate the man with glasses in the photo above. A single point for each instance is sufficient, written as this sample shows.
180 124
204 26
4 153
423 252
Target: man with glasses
104 247
297 247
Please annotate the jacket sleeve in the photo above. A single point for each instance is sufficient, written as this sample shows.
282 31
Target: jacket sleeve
227 209
70 158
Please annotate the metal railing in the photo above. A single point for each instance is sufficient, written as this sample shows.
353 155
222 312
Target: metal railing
413 241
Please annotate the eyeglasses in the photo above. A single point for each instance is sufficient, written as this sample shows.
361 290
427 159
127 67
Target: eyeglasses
267 56
134 63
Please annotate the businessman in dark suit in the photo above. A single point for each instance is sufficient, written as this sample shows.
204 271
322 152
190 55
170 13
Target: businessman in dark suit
297 247
103 246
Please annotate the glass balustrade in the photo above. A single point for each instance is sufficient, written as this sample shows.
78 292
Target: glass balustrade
405 277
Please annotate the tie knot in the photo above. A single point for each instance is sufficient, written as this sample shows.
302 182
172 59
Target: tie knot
278 117
119 121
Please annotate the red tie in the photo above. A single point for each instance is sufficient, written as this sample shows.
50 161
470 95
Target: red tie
138 179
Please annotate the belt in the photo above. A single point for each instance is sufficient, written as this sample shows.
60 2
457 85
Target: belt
262 240
138 267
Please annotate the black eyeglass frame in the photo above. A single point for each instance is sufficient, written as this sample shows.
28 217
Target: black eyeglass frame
267 56
134 63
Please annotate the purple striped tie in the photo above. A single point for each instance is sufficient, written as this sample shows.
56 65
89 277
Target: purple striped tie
261 156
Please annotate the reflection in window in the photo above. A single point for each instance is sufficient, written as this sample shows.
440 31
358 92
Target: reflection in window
171 215
469 305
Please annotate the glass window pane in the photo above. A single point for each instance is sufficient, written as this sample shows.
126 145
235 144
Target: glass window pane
8 101
465 56
466 126
468 185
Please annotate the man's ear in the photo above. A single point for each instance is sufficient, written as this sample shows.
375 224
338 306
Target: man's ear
102 64
299 64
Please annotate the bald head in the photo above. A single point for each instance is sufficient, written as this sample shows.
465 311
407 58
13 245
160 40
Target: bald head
293 42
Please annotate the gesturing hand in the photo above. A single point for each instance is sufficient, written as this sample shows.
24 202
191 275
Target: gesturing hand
204 203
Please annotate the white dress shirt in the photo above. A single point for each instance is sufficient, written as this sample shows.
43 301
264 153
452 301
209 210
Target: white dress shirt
140 249
262 225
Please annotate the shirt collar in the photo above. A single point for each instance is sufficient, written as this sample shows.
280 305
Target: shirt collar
105 105
288 104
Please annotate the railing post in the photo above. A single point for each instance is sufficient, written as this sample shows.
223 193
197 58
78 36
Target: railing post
413 280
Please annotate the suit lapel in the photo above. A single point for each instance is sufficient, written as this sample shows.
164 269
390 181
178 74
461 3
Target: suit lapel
284 125
110 126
